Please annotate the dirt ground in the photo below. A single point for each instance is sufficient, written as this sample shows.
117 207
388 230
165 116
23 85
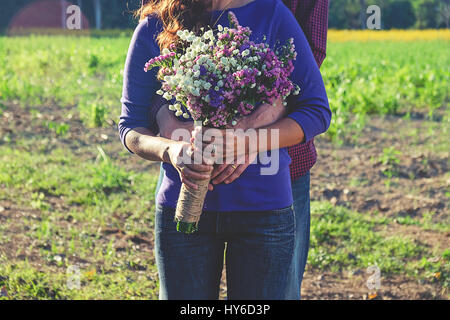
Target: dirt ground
352 175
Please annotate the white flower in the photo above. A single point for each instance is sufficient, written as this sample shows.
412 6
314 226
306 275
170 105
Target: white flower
160 92
185 115
167 96
246 52
172 107
194 91
219 27
208 35
165 51
178 113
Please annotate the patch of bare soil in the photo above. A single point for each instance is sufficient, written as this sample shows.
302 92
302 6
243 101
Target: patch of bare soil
357 176
28 127
320 286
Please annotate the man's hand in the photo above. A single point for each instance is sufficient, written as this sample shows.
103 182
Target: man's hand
168 123
263 116
232 142
227 173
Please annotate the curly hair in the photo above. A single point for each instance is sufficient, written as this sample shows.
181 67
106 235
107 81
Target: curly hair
176 15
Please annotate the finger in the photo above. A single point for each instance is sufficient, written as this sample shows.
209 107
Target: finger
236 174
203 158
197 134
202 169
189 183
195 175
224 175
218 170
210 187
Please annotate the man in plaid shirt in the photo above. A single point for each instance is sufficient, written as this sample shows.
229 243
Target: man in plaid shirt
312 16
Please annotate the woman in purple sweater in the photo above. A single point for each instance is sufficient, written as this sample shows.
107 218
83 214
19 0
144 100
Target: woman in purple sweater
253 214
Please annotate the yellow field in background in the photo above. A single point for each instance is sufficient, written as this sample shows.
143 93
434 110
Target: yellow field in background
388 35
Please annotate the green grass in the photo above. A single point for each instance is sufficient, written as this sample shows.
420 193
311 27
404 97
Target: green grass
369 78
99 187
86 72
68 202
342 239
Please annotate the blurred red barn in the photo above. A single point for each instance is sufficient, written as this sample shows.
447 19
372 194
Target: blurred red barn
47 14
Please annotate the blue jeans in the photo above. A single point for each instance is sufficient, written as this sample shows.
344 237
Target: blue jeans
300 193
301 205
259 250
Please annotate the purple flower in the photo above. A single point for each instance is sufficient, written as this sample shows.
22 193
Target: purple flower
245 46
202 70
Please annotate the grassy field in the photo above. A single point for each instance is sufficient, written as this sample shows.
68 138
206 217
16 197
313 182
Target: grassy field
71 196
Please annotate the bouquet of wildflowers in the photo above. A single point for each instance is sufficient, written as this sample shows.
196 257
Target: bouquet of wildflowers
216 78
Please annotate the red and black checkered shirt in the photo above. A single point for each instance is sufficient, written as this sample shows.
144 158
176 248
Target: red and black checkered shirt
312 16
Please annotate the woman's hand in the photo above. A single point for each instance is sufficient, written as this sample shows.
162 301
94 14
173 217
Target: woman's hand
180 156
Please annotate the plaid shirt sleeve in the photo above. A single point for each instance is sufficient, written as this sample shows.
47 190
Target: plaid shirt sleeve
312 16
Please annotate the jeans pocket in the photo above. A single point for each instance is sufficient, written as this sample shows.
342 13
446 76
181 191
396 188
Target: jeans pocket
275 226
